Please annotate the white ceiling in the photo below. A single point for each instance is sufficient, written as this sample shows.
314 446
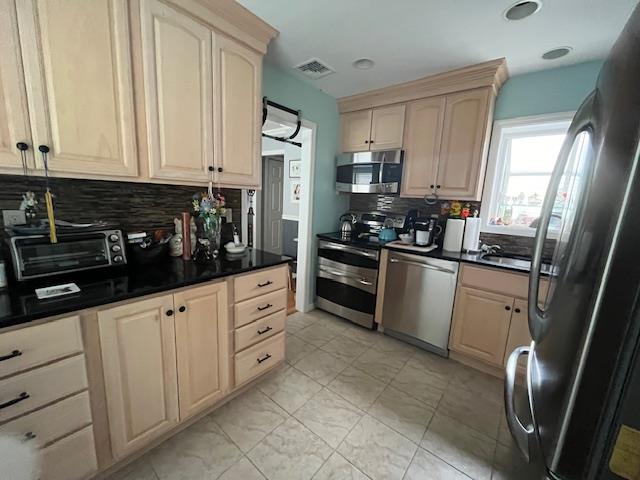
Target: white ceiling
409 39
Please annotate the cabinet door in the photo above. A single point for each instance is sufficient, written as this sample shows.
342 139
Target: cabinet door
422 138
464 145
77 62
14 117
387 128
481 324
178 89
238 160
356 130
201 346
139 363
518 331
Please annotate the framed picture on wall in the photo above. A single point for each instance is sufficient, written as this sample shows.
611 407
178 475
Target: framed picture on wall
296 191
294 168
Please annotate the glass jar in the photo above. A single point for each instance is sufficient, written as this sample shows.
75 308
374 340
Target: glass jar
212 228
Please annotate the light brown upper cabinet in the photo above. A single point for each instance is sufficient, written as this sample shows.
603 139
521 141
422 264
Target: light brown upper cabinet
445 145
376 129
77 70
464 143
178 92
422 138
139 363
14 116
201 325
238 158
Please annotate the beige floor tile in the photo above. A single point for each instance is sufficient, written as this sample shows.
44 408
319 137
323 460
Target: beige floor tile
426 386
381 365
289 388
321 366
504 434
479 383
403 413
317 334
509 465
473 410
242 470
436 364
464 448
290 452
296 349
361 334
200 452
299 320
336 324
329 416
357 387
426 466
140 469
344 348
389 344
377 450
248 418
338 468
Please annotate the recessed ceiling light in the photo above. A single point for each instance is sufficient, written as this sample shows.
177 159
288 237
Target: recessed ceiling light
364 63
522 9
556 53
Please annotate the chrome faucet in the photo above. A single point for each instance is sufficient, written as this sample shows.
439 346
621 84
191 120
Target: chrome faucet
490 249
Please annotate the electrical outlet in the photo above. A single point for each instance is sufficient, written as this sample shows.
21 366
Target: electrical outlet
13 217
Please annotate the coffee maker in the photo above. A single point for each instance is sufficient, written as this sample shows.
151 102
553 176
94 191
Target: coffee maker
427 230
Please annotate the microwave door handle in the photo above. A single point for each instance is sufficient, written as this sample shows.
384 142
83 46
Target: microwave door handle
381 169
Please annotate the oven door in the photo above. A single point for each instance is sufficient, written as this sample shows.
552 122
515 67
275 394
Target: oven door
348 255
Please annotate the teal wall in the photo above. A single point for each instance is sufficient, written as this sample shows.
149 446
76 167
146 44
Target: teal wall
548 91
321 109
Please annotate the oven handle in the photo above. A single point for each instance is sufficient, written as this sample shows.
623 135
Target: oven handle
348 249
421 265
340 274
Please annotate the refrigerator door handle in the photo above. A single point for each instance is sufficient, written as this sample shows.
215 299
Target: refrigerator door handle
536 315
524 436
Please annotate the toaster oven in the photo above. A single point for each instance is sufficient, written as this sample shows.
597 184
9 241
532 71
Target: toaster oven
34 256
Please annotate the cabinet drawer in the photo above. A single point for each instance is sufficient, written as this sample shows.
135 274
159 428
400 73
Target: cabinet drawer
259 358
50 423
72 458
251 310
500 281
259 330
36 388
259 283
32 346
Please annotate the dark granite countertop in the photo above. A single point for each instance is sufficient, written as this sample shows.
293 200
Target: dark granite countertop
521 266
19 304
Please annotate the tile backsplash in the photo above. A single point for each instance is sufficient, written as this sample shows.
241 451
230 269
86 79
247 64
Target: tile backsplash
391 203
132 205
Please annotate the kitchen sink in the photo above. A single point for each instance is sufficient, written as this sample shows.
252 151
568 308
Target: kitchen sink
518 261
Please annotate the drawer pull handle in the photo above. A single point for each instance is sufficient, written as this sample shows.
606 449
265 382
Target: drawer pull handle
29 436
268 305
265 358
268 329
14 354
21 397
268 282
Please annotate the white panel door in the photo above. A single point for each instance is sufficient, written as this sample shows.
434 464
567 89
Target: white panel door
77 62
178 89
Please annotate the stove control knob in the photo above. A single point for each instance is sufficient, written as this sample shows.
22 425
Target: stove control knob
113 238
116 248
118 259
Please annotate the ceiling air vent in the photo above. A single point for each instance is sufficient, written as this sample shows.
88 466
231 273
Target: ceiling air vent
314 68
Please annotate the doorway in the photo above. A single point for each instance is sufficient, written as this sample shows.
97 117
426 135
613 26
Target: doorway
272 234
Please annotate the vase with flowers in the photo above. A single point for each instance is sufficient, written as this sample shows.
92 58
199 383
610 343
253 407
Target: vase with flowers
210 207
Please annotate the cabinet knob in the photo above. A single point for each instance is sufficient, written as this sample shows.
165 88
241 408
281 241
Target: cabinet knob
437 186
517 310
366 141
43 149
371 141
220 169
182 309
211 169
432 186
22 146
169 313
507 307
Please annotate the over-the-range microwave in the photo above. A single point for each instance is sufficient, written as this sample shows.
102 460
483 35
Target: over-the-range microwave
369 172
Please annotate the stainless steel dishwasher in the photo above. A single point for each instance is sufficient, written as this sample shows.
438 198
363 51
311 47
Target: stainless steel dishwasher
418 300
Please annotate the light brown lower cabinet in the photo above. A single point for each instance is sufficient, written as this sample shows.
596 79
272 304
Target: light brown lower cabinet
139 364
481 324
201 324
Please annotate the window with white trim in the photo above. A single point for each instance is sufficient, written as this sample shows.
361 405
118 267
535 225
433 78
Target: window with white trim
522 156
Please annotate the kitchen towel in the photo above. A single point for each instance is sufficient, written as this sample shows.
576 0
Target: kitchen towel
471 235
453 235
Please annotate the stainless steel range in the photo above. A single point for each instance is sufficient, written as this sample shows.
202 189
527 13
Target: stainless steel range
347 276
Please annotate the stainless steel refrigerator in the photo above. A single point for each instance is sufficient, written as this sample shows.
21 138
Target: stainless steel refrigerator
583 366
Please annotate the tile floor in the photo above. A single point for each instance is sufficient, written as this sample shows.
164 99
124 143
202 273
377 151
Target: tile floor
348 404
